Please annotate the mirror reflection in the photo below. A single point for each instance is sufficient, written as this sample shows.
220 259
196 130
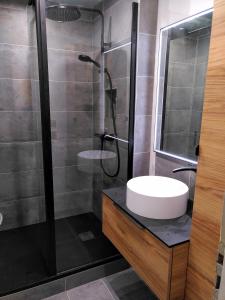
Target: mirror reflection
183 61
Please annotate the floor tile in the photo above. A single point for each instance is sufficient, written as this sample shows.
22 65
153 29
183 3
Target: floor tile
61 296
127 285
92 291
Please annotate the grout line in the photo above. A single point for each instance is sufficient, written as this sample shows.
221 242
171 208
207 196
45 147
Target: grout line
110 290
70 50
18 45
13 8
142 152
147 34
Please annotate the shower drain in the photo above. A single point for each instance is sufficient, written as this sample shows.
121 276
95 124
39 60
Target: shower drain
86 236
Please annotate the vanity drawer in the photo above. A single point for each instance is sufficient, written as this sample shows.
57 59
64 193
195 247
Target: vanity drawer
150 258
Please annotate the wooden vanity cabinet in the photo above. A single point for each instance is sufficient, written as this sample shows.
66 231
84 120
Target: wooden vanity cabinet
162 268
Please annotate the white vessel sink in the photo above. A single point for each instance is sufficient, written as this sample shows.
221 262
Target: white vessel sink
157 197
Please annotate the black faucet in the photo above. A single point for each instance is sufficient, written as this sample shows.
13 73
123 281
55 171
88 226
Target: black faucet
185 169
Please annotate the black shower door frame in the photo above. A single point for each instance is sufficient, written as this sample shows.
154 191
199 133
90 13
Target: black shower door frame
42 50
50 254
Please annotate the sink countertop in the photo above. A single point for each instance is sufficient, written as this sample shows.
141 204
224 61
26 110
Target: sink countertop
171 232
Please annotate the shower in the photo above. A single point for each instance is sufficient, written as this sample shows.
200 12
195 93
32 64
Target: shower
62 13
51 195
86 58
68 13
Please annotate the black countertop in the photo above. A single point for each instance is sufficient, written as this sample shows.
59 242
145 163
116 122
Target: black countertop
171 232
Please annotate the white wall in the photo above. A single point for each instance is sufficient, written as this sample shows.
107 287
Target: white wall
169 12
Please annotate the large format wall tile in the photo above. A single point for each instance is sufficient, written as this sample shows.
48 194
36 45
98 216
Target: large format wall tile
144 95
122 85
198 99
18 62
181 75
19 4
142 133
65 66
70 35
72 125
18 126
118 19
70 96
72 178
203 49
176 143
146 55
179 98
183 50
19 185
141 164
22 212
13 24
65 152
122 122
118 62
148 20
19 95
177 121
200 74
19 156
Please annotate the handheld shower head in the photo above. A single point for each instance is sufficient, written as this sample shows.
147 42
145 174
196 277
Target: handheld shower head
86 58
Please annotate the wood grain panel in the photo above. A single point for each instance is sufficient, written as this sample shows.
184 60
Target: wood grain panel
210 183
150 258
178 271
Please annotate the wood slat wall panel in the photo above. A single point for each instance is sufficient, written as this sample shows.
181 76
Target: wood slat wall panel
210 183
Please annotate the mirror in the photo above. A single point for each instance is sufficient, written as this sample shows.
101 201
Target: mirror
184 49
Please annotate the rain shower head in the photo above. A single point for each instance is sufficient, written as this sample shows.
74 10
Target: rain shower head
62 13
86 58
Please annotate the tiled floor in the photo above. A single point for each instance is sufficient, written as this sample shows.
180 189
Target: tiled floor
125 285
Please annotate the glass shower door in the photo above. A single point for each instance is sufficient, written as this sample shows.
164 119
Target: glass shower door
26 248
74 77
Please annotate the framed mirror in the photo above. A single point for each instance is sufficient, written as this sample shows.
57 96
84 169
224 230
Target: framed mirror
183 59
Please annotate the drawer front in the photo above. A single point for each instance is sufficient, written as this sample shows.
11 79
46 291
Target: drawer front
150 258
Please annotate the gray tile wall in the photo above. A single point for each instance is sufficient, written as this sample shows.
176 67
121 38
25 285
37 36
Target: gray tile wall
186 79
21 178
145 79
118 18
190 57
71 97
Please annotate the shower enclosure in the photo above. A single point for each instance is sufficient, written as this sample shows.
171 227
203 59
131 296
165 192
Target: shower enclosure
67 91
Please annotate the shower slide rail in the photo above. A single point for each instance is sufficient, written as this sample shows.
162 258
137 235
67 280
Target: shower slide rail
113 137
